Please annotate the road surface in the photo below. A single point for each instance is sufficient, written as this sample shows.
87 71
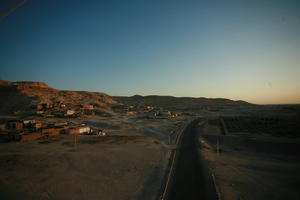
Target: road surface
191 178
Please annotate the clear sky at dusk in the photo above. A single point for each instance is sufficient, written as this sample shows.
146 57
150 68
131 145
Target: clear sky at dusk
247 50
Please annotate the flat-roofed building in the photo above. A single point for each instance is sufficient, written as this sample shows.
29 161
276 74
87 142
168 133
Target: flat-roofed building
15 124
79 130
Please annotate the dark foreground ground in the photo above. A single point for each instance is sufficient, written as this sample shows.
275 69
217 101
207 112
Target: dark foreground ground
191 178
252 165
109 168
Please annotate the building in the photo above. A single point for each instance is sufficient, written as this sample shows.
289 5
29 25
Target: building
15 124
101 133
46 105
52 131
47 130
60 124
39 112
70 112
88 107
38 125
28 122
131 113
2 127
79 130
39 107
98 132
30 137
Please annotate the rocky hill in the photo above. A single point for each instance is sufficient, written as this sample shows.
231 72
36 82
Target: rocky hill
25 84
180 103
22 96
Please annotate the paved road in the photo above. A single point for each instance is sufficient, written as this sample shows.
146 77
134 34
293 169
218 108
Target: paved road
191 178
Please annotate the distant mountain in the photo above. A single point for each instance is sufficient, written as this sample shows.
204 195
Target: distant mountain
21 96
180 103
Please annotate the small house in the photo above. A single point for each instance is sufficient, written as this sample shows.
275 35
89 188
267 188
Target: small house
15 124
98 132
47 130
101 133
38 125
70 112
52 131
39 112
60 124
30 137
2 127
79 130
29 122
88 107
39 107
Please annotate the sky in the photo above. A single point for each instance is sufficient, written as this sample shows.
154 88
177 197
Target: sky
241 50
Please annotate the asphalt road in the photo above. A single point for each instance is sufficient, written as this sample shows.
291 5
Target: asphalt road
191 178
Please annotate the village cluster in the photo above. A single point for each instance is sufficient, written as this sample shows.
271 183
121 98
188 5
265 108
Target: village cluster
60 109
31 129
150 112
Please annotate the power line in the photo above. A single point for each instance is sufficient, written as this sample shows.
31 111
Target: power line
9 11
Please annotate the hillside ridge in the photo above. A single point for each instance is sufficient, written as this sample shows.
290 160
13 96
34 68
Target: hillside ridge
22 96
181 103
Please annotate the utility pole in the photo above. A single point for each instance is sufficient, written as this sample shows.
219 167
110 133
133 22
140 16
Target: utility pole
218 145
75 142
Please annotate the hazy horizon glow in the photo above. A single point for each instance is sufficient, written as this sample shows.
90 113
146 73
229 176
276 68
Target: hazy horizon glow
242 50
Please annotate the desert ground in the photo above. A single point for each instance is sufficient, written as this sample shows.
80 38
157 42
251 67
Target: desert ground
252 164
251 151
129 163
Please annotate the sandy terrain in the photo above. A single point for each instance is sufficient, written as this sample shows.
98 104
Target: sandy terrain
127 164
258 158
252 167
136 126
94 168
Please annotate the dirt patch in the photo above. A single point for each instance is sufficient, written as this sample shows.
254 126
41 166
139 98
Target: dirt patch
51 140
103 125
253 167
109 139
105 140
95 169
